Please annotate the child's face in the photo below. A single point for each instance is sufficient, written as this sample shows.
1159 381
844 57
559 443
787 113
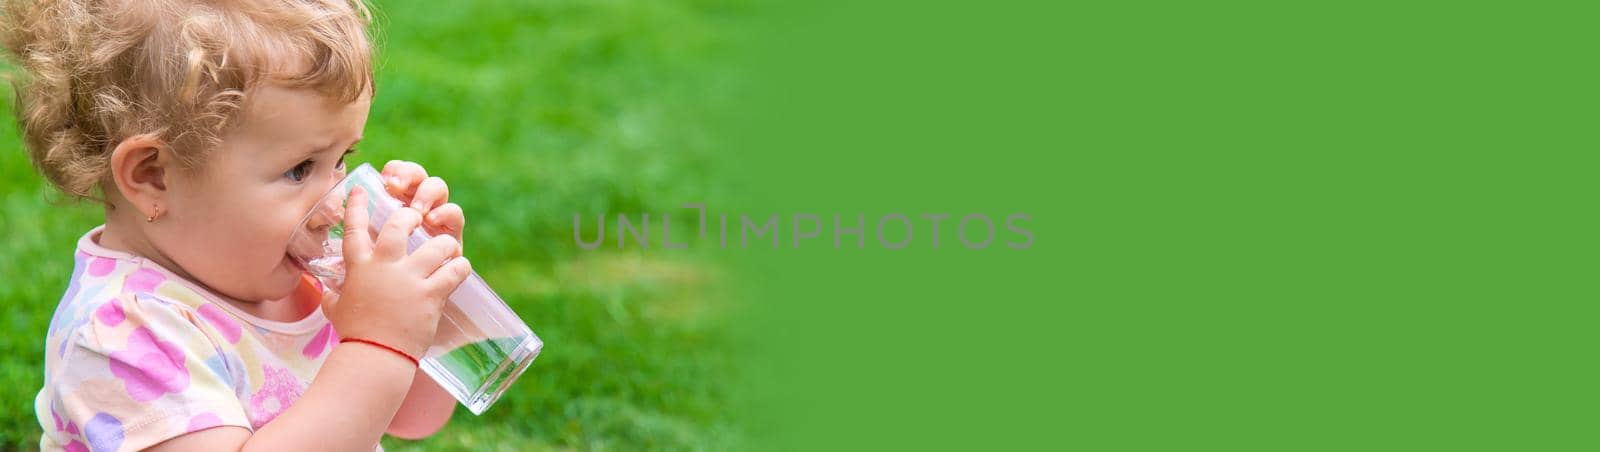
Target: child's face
232 219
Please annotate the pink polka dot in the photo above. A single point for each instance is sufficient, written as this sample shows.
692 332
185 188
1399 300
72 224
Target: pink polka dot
145 280
319 343
203 421
75 446
150 368
110 313
72 427
100 266
279 389
221 321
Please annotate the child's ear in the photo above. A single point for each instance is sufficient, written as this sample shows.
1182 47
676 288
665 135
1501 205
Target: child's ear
140 165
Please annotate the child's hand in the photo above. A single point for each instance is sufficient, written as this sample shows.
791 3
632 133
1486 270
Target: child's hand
409 183
389 296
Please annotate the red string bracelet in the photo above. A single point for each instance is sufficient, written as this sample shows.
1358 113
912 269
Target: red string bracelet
397 351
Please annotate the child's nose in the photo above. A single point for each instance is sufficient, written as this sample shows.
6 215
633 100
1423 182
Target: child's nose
316 221
324 215
308 241
320 220
331 209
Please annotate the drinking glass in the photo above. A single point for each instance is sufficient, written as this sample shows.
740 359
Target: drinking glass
481 345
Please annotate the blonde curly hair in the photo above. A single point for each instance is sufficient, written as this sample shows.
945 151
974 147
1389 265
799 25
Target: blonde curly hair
99 71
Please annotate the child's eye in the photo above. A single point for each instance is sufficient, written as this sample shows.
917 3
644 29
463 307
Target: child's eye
299 172
347 153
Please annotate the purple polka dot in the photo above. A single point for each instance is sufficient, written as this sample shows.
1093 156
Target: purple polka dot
72 290
110 313
203 421
145 280
150 367
104 432
223 322
100 266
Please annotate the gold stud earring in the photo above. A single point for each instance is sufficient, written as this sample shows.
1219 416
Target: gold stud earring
152 218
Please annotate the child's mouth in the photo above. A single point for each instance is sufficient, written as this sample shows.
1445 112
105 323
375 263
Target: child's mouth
328 266
294 263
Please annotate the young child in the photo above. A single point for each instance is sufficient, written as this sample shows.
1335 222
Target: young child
209 129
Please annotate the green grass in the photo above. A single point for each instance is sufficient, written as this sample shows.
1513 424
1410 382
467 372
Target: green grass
533 111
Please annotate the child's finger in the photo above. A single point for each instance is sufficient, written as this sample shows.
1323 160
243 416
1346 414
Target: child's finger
450 275
391 241
431 192
357 241
401 178
446 219
433 254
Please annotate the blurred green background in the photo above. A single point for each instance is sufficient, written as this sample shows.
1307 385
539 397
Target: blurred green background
533 111
1261 225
